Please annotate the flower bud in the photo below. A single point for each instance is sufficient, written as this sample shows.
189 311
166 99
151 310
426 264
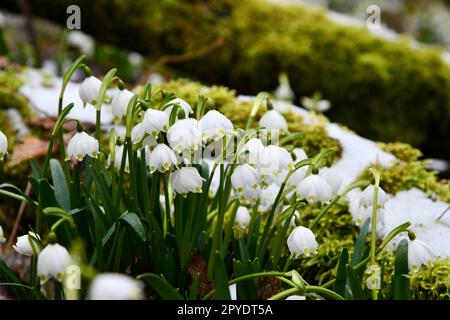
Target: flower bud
25 244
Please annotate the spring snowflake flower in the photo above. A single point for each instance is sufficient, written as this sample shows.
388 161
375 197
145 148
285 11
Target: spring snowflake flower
115 286
302 241
333 179
272 119
275 161
25 244
184 135
119 104
320 106
296 297
90 90
366 199
242 219
3 145
82 41
249 195
185 180
296 177
215 125
186 107
314 189
2 235
162 158
82 145
268 197
155 121
253 152
53 262
419 253
138 132
244 175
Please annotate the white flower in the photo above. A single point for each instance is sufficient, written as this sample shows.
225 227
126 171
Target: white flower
276 160
248 195
155 121
137 132
284 92
294 218
2 236
333 179
321 105
253 152
3 145
244 175
242 219
366 199
119 104
361 214
419 253
296 297
374 277
233 291
183 104
296 177
26 243
162 158
299 154
115 286
81 145
118 153
185 180
150 143
53 262
302 241
184 135
268 197
314 189
272 119
90 90
82 41
215 125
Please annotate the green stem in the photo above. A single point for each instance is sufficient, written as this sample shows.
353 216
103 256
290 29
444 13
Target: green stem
374 225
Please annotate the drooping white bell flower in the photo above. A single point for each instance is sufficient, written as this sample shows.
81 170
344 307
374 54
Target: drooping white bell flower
248 195
184 135
295 217
162 158
419 253
115 286
244 175
314 189
361 214
253 152
90 90
215 125
295 178
118 153
82 145
25 244
186 107
150 142
296 297
242 219
119 104
320 105
268 197
155 121
299 154
85 43
302 241
185 180
233 291
284 90
272 119
333 179
2 235
3 145
53 262
138 132
366 199
275 161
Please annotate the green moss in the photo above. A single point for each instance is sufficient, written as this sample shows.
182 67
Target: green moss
402 151
9 79
432 282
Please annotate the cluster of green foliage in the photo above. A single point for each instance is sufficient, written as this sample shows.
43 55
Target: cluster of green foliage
403 91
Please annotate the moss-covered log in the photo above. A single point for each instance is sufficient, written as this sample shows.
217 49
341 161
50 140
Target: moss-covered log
383 90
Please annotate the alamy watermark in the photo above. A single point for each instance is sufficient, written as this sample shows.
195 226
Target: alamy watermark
73 22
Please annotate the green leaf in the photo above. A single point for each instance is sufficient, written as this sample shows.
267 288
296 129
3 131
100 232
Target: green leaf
360 245
221 278
165 290
11 277
62 193
355 284
135 223
341 274
401 281
35 168
194 287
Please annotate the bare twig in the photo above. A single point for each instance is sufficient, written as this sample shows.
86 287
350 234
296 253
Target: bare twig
22 207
